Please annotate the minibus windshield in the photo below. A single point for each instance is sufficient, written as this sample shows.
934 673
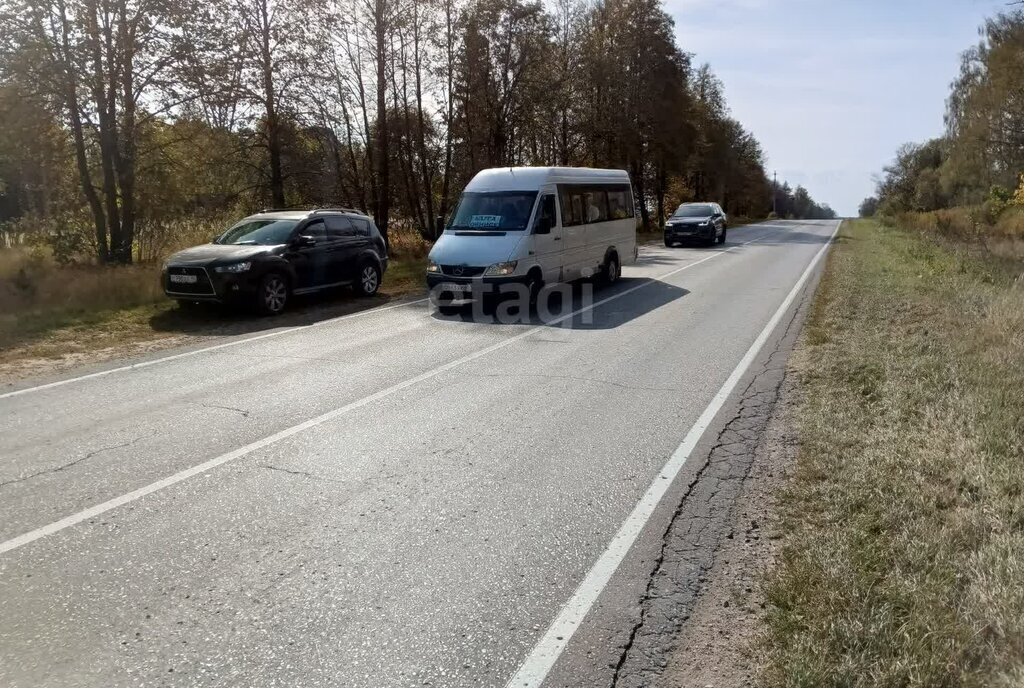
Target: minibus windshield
506 211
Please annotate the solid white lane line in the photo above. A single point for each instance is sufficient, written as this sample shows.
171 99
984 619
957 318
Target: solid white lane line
545 653
98 509
195 352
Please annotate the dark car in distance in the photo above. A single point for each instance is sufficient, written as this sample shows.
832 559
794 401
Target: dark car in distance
703 223
267 258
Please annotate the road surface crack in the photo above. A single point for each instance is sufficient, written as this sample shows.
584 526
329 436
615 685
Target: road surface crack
243 412
301 474
72 464
744 429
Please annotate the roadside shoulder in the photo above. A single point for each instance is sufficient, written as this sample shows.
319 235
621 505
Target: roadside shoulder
703 605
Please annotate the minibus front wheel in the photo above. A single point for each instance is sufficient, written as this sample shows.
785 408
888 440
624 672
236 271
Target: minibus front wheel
612 271
534 283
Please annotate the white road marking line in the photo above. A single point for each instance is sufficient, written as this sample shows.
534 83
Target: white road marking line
535 668
98 509
175 357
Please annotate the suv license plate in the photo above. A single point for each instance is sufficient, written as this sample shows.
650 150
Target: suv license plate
184 279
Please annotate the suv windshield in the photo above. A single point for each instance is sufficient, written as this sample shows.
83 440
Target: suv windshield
694 211
264 232
502 210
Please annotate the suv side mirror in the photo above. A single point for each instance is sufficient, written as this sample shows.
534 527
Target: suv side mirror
543 226
303 241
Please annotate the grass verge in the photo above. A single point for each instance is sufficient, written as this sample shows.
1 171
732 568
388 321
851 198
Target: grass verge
78 314
903 559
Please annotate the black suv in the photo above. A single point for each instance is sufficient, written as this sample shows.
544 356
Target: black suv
701 222
268 257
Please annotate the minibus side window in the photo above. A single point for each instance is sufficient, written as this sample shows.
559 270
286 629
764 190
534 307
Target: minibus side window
547 211
595 202
620 206
578 216
565 200
572 206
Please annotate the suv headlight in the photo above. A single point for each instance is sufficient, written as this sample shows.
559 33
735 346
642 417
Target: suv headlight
501 269
433 267
234 267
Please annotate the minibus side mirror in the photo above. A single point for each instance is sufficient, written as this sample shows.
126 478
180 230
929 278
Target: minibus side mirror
543 226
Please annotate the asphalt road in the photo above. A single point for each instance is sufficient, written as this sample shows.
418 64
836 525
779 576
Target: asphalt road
391 499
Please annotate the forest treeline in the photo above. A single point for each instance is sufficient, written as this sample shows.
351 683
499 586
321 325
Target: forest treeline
125 118
978 163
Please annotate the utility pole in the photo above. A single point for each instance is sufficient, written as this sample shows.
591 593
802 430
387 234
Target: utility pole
775 193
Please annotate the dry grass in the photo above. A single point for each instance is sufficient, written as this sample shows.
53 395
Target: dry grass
51 311
37 296
999 234
903 562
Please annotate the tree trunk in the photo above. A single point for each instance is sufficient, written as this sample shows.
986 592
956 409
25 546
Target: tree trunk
383 208
427 177
78 135
446 174
641 195
107 133
660 193
277 197
126 154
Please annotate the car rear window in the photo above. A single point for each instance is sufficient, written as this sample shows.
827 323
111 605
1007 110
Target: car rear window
362 226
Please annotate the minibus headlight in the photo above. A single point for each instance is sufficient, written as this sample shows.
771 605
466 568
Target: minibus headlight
433 267
501 269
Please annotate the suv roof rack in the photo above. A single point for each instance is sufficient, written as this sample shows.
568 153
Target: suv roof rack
338 209
317 209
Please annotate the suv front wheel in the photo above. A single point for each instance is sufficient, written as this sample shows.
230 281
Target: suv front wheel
273 294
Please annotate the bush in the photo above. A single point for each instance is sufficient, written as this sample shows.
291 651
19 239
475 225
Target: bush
953 223
1011 223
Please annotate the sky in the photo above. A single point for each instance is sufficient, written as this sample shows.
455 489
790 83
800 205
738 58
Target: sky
831 88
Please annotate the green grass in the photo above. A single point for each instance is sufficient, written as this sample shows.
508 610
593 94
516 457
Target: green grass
903 558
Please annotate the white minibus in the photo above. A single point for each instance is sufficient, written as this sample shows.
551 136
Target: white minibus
534 226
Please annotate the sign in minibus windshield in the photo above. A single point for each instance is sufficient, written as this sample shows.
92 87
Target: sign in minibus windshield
485 221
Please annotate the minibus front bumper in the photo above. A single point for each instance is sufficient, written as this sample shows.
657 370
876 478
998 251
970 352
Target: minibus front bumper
448 288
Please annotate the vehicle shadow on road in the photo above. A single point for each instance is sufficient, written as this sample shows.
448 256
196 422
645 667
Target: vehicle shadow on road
215 320
554 305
